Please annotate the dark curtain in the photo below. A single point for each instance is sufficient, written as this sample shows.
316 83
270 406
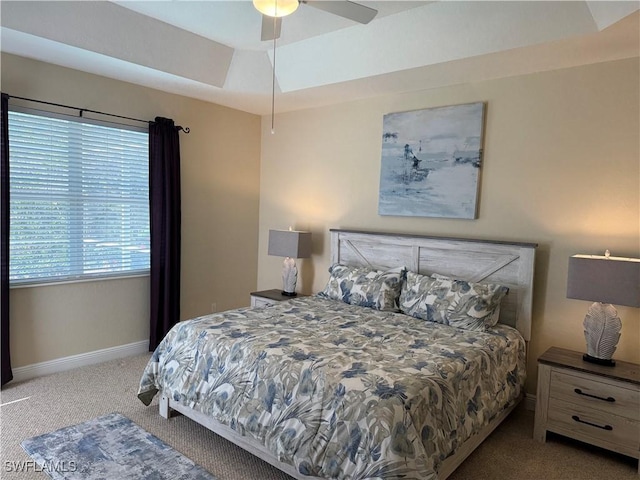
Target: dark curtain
7 375
164 198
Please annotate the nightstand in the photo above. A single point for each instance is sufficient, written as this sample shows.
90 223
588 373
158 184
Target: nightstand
588 402
269 297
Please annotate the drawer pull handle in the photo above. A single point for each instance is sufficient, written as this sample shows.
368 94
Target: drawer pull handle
608 399
606 427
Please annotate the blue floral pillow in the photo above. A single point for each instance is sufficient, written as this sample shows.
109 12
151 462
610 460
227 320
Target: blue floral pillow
365 286
495 318
462 304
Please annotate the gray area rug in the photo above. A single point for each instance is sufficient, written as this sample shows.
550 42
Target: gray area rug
109 447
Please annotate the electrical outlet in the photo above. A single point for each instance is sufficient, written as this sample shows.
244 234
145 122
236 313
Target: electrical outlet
214 307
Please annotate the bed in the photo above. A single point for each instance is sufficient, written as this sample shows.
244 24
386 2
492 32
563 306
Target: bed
345 386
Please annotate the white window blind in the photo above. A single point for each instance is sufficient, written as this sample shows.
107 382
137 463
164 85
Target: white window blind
79 202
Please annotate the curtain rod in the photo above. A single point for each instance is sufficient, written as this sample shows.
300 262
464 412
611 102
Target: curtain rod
81 110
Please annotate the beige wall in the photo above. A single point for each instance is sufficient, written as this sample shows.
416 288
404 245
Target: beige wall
220 193
561 168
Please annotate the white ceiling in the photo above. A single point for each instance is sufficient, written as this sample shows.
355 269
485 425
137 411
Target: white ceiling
211 50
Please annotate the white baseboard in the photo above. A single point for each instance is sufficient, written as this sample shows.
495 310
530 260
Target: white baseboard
80 360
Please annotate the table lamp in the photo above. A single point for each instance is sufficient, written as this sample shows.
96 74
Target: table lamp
603 280
291 244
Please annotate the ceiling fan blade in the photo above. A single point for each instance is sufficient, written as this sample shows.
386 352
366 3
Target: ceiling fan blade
270 29
351 10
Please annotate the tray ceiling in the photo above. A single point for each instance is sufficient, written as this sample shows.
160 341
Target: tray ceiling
211 50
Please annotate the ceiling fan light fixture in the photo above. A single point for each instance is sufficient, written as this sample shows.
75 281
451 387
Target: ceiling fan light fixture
276 8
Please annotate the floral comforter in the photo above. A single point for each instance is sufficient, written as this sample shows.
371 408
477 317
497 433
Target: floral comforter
341 391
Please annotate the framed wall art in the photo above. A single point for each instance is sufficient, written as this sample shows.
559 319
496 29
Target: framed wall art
431 161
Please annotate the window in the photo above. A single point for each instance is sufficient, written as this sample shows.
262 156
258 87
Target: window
79 199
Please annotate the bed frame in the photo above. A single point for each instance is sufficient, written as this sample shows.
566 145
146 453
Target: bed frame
509 264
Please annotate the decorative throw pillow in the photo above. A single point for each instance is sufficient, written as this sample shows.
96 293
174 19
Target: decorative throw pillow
495 318
458 303
365 286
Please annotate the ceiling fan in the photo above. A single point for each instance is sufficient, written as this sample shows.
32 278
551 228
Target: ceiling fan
273 11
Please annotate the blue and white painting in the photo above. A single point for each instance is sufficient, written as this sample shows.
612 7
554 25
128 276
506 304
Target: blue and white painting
431 162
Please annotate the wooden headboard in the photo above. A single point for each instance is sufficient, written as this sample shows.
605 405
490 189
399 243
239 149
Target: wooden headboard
509 264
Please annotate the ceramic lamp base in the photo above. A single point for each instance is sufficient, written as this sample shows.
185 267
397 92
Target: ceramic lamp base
602 331
289 277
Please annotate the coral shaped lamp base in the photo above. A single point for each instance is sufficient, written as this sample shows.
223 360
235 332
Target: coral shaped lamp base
601 331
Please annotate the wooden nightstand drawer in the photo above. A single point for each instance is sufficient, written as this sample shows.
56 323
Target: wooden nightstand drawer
591 403
600 428
597 393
